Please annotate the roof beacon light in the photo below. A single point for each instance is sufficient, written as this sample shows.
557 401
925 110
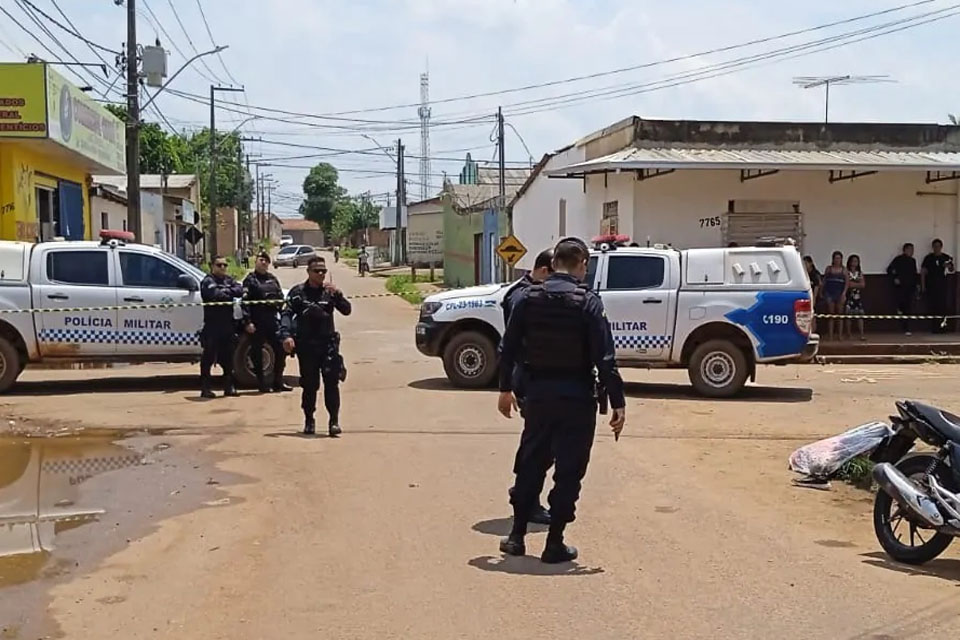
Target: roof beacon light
115 234
610 241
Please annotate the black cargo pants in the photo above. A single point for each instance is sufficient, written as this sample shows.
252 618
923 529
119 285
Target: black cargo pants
559 431
320 360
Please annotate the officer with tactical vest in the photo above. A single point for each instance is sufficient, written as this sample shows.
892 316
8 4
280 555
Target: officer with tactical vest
263 289
307 327
542 267
559 332
218 336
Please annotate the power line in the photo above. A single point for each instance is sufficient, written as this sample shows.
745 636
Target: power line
645 65
72 30
190 42
214 43
173 43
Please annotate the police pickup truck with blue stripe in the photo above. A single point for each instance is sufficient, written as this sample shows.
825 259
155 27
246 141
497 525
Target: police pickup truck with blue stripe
108 301
716 312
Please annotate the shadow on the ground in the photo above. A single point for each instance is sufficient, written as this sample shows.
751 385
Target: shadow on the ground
300 435
501 527
440 384
667 391
530 566
176 383
944 568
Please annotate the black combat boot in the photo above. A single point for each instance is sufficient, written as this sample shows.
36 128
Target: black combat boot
229 388
555 550
334 430
309 425
539 515
206 390
513 545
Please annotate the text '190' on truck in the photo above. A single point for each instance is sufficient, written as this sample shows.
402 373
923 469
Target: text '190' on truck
108 301
716 312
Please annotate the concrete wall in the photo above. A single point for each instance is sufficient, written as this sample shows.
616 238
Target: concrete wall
312 237
459 230
116 214
536 215
425 235
227 231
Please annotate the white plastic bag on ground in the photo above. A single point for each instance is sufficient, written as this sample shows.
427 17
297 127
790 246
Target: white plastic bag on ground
823 458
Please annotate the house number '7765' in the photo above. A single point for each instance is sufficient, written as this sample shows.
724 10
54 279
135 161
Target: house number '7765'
710 222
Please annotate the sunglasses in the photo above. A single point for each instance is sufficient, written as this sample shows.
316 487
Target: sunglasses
318 270
220 264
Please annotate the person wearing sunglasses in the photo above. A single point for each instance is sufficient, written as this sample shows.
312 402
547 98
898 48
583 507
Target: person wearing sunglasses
307 329
264 290
218 336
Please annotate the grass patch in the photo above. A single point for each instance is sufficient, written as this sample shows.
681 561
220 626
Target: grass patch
404 287
857 472
349 252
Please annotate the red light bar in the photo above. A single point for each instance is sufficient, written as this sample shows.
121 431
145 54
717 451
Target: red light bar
116 234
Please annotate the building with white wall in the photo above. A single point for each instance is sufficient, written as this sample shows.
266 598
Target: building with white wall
108 208
850 187
545 209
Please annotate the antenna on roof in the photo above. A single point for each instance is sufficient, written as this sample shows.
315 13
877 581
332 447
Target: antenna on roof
810 82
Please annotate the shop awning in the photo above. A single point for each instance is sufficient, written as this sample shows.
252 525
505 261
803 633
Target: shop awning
667 159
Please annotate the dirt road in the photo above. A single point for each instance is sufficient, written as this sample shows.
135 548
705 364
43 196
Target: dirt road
688 527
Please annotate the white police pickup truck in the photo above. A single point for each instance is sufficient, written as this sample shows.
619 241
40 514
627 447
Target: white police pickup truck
716 312
62 279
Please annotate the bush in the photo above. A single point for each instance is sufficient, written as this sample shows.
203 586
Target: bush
349 253
405 288
857 472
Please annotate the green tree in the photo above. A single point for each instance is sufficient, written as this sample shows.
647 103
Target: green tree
323 193
353 214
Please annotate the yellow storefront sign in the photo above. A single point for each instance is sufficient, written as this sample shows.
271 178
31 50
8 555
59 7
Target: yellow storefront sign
23 108
77 122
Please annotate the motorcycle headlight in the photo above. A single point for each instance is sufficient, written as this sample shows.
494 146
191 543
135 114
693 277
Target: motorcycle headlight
429 308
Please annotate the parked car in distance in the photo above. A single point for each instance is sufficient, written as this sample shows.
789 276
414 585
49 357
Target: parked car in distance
294 255
286 241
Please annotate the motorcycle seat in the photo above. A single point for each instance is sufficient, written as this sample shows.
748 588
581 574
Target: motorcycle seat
947 424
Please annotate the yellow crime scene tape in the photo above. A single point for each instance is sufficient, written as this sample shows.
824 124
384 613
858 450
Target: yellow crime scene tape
174 305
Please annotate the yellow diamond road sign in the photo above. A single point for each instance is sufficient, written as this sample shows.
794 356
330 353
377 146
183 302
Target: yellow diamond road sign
511 250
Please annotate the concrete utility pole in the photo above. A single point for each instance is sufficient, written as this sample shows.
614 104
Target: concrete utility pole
213 167
502 200
401 200
133 126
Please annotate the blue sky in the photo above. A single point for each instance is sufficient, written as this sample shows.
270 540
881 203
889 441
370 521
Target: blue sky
327 56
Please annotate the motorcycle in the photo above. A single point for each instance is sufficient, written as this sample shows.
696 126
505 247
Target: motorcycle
916 512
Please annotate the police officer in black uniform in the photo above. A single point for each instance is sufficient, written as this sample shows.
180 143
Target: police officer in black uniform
307 327
263 289
559 332
218 336
542 267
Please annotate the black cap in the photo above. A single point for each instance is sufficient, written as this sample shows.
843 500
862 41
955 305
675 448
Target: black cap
265 255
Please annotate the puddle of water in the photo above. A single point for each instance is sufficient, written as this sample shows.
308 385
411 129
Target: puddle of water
41 497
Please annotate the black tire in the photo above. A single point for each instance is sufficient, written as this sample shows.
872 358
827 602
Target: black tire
936 543
10 365
718 369
243 367
470 360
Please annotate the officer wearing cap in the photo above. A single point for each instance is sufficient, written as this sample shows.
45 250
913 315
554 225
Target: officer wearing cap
306 325
542 267
263 289
219 333
559 332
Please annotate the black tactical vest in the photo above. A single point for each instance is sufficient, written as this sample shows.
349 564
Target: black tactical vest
555 339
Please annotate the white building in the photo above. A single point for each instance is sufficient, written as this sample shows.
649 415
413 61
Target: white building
108 208
545 209
425 232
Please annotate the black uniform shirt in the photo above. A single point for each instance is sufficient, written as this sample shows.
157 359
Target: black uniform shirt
936 267
308 313
599 339
214 289
263 287
513 294
903 268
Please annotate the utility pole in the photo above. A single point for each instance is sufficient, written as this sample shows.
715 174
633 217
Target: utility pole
247 202
213 167
133 126
241 236
502 200
401 199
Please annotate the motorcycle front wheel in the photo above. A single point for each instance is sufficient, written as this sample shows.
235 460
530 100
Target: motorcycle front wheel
904 540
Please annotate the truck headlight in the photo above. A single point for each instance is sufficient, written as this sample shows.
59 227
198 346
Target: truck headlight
429 308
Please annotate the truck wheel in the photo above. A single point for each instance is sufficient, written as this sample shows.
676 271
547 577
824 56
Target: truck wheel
10 365
242 365
718 369
470 360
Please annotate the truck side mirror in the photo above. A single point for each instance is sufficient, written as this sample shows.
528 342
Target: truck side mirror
187 282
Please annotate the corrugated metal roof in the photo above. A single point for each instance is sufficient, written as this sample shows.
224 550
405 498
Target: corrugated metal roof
149 181
689 158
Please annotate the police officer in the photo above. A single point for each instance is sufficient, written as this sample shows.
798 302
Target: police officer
219 327
559 332
542 267
263 288
306 325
